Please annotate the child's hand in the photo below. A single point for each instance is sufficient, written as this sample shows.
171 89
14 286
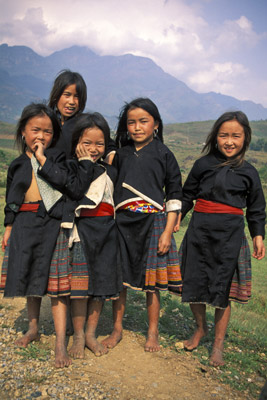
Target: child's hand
258 248
6 236
81 151
39 153
164 243
176 227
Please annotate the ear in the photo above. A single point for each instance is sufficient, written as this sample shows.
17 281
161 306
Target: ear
156 125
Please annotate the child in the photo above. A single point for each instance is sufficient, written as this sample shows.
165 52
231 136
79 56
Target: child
32 215
223 183
68 98
149 257
95 271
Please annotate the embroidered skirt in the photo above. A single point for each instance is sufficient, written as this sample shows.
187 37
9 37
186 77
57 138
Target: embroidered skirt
143 268
87 270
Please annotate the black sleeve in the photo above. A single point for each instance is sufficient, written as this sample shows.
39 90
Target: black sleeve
255 213
190 189
71 177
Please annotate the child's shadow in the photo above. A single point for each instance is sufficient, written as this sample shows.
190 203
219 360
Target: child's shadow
46 325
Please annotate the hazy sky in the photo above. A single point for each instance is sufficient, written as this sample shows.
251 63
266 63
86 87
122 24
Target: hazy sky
211 45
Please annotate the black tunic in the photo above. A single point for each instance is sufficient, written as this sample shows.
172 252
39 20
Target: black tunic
33 236
151 174
212 242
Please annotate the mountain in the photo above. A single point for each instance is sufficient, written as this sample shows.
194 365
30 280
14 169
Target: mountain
111 80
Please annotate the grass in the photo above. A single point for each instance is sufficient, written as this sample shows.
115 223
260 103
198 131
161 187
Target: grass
33 352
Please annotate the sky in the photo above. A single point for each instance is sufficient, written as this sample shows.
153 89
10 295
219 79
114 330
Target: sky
211 45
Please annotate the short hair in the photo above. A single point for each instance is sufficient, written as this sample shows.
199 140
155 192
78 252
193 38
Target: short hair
211 141
64 79
87 121
31 111
147 105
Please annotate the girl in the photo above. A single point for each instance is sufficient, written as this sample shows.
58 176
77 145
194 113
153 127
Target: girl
223 183
94 271
145 167
68 99
32 215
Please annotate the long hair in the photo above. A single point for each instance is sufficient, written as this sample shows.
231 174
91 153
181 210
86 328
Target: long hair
64 79
211 141
31 111
87 121
147 105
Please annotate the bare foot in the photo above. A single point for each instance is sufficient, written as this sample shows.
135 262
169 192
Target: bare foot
77 348
193 342
112 340
152 343
61 356
216 358
29 337
97 348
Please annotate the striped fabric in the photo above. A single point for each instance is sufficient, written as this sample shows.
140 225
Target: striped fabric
68 275
162 272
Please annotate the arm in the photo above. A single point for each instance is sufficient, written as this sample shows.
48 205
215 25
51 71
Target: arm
165 238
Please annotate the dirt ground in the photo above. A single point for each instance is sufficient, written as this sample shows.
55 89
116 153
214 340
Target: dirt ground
126 372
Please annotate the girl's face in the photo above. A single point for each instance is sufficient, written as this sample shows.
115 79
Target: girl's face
141 126
38 129
68 103
230 138
94 142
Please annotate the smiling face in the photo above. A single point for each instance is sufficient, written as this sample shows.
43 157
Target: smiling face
230 138
141 126
38 129
68 103
93 140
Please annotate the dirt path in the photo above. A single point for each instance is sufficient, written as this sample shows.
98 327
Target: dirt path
126 372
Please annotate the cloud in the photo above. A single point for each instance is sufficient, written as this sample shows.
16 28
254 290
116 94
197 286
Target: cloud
174 33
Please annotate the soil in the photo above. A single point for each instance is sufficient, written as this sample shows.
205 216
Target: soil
126 372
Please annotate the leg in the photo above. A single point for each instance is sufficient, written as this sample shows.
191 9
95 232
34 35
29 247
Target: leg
222 318
153 308
78 311
33 307
69 329
199 312
118 313
59 311
94 311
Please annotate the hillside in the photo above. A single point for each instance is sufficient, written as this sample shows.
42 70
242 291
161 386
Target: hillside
111 80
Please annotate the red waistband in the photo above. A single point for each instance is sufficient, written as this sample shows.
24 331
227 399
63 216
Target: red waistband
102 210
33 207
210 207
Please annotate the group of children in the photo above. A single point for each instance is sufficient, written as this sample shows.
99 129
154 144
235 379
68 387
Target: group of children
87 217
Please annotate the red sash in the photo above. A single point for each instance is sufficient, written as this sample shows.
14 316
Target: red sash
33 207
102 210
210 207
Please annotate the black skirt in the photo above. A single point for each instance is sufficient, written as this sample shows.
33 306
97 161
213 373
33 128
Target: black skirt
99 242
210 254
27 262
135 230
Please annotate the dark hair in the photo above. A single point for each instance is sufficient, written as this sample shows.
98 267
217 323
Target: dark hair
31 111
147 105
211 141
66 78
86 121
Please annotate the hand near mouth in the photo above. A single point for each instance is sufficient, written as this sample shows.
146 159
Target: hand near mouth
39 153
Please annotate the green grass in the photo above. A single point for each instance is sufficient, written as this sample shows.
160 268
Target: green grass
33 352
